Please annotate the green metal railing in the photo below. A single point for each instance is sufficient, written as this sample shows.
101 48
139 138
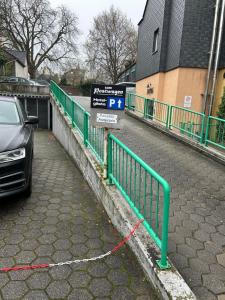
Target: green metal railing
147 193
80 119
215 132
156 110
96 141
188 122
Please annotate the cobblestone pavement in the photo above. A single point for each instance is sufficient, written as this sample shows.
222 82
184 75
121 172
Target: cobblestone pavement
197 213
61 221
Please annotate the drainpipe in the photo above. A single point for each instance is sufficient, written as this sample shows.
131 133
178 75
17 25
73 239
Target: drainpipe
216 18
218 49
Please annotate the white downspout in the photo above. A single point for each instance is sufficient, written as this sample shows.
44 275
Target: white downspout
218 48
216 19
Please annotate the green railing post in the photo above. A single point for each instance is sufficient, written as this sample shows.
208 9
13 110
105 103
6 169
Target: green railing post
109 163
163 262
168 112
72 110
207 131
85 128
170 117
64 104
202 130
145 107
128 101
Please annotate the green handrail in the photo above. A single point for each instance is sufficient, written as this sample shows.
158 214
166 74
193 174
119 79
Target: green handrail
93 138
124 183
215 132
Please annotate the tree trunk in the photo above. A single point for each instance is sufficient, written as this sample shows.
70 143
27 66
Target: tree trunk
32 71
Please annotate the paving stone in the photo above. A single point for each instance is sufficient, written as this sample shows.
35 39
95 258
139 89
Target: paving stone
29 244
221 259
114 261
44 250
38 281
47 238
79 250
14 239
192 277
218 271
58 289
80 294
145 297
79 279
3 279
21 275
139 285
36 295
203 293
14 290
25 257
98 269
100 287
61 272
94 243
9 250
218 238
118 277
201 236
214 284
122 294
186 250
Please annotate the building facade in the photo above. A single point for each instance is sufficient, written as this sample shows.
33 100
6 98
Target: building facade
14 64
174 39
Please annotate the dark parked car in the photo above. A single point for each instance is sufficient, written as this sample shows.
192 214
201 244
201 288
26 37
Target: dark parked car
16 148
18 80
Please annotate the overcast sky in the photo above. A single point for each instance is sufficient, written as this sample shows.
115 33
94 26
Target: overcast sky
87 9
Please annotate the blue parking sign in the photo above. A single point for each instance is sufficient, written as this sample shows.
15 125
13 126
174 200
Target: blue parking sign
115 103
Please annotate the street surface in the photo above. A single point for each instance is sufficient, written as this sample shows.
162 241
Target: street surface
197 213
62 221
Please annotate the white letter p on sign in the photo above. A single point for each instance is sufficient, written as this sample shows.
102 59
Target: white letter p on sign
111 102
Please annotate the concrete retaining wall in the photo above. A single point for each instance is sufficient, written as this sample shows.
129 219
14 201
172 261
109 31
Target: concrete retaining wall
169 284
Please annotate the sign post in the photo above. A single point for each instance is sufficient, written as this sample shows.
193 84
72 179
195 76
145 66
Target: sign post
107 110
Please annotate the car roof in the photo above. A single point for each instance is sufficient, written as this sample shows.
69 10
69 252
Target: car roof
7 98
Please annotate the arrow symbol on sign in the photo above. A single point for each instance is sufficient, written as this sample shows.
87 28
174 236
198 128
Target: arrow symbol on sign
119 103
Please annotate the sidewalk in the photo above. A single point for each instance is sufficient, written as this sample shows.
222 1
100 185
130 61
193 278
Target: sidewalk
61 221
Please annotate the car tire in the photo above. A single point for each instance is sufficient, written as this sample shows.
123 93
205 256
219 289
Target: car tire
28 190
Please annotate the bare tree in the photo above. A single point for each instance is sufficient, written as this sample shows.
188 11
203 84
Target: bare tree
111 44
46 34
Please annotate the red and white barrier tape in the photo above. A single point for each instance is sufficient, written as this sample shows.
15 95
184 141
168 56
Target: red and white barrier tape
77 261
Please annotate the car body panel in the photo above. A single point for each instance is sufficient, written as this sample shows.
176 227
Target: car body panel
15 175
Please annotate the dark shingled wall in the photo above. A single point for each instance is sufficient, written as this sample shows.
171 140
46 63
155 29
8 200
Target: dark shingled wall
185 36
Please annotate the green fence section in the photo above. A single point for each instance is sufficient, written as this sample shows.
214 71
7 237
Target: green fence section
193 125
156 110
147 193
96 141
150 108
215 133
80 119
188 122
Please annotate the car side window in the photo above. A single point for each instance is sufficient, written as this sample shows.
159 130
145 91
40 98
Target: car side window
22 108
